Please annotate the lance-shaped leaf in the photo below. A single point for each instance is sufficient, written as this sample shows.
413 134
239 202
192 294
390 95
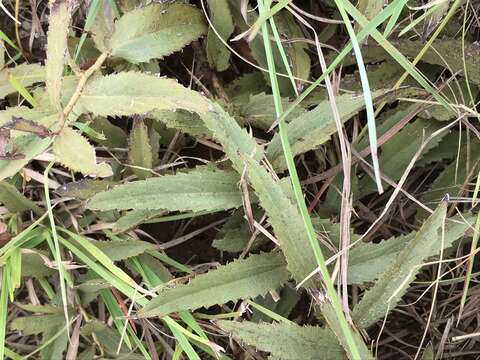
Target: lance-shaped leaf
188 123
315 127
15 201
217 53
287 341
60 16
37 324
240 279
134 218
283 214
156 31
72 150
367 261
25 74
139 150
199 189
394 281
129 93
29 146
120 250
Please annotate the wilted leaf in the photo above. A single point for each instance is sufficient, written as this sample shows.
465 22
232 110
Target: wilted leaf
240 279
217 53
156 31
75 152
129 93
287 341
199 189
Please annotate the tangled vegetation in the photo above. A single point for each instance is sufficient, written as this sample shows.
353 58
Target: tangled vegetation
234 179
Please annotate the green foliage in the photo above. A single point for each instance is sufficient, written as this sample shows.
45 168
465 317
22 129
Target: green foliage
25 74
156 31
75 152
140 154
129 93
60 17
240 279
134 218
14 201
37 324
283 215
315 127
287 340
394 281
199 189
217 53
124 249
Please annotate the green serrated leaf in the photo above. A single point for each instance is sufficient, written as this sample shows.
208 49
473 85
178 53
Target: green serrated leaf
259 110
218 54
56 341
34 266
283 215
296 50
315 127
36 324
200 189
40 309
156 31
84 189
394 281
72 150
400 149
240 279
139 150
184 121
451 180
59 21
367 261
29 146
134 218
25 74
115 137
15 201
129 93
234 234
287 341
121 250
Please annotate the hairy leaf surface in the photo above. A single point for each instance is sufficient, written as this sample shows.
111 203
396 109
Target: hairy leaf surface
287 341
129 93
199 189
75 152
240 279
156 31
